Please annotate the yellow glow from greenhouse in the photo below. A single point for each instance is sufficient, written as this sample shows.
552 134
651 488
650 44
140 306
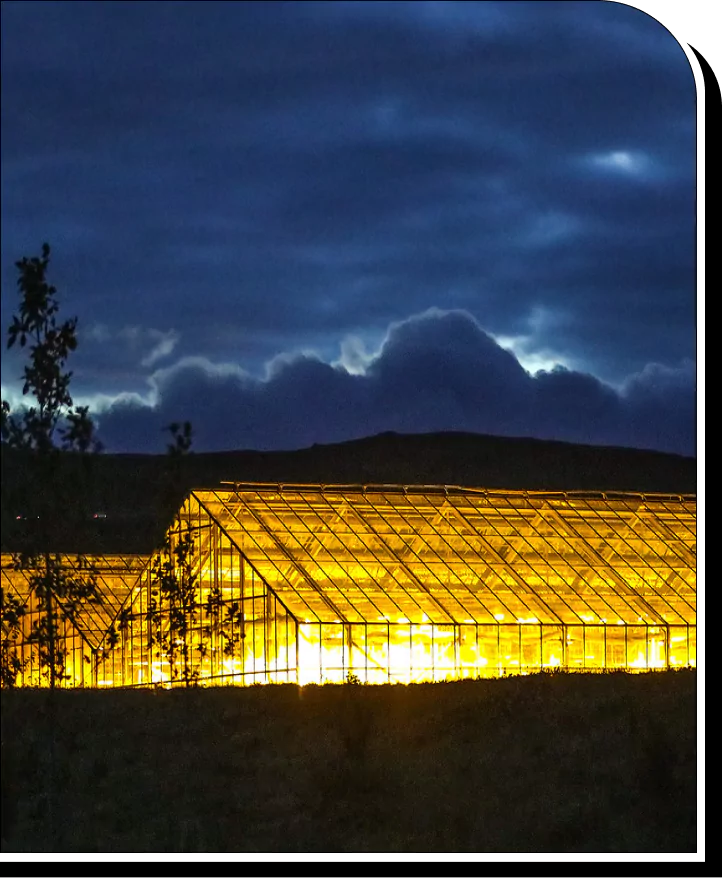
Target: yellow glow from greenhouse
639 662
309 616
231 666
158 675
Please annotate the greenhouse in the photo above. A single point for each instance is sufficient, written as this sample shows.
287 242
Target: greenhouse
268 583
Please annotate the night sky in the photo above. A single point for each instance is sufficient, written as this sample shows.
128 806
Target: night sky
309 222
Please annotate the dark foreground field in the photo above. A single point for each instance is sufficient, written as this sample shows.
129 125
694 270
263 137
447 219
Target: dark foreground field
549 763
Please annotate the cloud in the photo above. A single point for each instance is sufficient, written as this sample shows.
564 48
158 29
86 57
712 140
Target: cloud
656 380
109 359
435 371
620 160
354 358
319 170
660 404
166 343
530 344
231 189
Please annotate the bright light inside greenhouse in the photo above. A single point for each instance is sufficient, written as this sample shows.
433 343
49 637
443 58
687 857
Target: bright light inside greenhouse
392 584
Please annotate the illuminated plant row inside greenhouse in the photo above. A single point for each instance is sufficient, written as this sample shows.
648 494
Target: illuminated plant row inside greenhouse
314 584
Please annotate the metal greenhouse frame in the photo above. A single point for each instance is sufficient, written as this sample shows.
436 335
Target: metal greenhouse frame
388 583
82 635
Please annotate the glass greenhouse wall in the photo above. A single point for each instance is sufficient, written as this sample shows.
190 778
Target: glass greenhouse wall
311 584
82 633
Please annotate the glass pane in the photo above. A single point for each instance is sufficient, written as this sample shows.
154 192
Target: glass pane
552 649
309 653
530 647
356 651
678 646
637 647
616 650
509 648
444 651
489 663
332 654
400 653
657 647
377 646
594 646
469 659
574 647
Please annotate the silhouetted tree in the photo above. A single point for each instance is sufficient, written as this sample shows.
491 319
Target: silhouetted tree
184 621
55 436
175 607
12 610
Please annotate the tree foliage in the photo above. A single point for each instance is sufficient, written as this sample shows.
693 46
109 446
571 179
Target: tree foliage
54 421
49 424
187 617
174 606
12 610
58 437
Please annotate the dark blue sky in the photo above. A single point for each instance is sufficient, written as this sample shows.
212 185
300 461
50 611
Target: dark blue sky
307 222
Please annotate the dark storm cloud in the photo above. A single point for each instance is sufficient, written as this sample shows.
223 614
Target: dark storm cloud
259 178
437 371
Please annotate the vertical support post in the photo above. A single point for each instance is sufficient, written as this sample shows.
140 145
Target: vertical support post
626 647
433 654
366 649
411 652
298 662
457 639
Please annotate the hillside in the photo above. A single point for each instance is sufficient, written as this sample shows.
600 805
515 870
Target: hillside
127 487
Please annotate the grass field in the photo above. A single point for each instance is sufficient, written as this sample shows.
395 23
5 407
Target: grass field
558 763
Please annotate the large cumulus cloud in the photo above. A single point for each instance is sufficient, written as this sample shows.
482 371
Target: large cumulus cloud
258 177
435 371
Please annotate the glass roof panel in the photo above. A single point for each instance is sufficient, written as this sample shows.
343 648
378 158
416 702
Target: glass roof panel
454 554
